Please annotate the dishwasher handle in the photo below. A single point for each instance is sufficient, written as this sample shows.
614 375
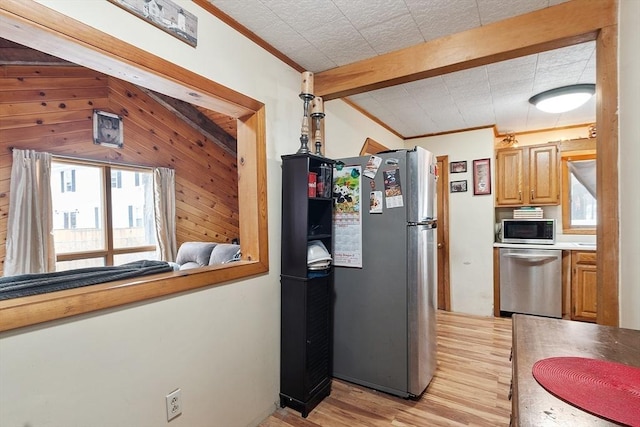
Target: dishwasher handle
531 257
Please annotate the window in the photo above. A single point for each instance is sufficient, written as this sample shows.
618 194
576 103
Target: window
116 180
68 180
69 220
91 230
579 202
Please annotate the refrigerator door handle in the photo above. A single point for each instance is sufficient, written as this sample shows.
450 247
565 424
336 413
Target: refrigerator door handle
431 224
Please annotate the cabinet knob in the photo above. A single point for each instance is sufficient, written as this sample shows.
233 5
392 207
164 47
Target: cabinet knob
532 197
519 195
439 245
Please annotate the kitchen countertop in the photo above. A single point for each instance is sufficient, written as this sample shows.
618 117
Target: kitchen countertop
565 246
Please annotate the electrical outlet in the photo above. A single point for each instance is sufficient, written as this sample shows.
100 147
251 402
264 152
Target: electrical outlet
174 404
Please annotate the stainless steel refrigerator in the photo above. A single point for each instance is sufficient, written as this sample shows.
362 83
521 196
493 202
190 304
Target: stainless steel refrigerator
385 312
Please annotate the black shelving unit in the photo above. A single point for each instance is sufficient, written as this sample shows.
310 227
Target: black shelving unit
306 296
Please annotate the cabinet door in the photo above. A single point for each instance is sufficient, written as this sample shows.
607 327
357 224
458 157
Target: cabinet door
543 175
318 335
583 286
509 177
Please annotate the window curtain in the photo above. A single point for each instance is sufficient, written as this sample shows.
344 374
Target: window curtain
30 244
164 195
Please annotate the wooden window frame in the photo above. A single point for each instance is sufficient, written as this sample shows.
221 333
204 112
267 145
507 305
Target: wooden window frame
34 25
566 194
108 252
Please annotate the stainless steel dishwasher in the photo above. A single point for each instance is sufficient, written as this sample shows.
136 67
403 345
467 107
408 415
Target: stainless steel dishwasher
531 281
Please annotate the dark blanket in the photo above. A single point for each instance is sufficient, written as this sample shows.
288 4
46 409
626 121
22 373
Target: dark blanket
38 283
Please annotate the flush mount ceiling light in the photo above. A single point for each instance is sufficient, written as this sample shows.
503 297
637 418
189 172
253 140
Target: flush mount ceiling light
562 99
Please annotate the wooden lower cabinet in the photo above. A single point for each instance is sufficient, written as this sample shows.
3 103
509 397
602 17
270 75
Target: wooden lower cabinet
584 296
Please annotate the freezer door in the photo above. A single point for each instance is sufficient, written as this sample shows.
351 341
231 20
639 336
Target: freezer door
421 185
421 301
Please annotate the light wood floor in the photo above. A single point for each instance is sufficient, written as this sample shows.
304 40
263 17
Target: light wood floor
470 386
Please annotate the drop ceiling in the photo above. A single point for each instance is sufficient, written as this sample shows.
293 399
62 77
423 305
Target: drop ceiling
323 34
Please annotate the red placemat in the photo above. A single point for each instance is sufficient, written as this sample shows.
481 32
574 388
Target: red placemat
608 389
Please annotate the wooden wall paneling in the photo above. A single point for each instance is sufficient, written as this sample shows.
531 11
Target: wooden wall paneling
180 151
57 132
49 95
192 193
170 128
206 175
49 107
42 83
43 118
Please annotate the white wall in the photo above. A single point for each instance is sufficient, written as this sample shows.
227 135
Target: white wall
471 225
629 152
346 130
220 346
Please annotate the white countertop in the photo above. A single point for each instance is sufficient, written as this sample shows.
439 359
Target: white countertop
565 246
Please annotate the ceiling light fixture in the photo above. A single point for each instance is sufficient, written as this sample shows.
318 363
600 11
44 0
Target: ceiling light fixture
562 99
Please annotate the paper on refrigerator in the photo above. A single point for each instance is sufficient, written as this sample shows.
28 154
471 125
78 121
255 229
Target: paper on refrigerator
347 219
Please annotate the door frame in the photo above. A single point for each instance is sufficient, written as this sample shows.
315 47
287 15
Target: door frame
444 290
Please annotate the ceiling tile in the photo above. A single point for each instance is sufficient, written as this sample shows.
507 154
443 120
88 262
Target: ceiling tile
303 14
375 12
394 34
340 42
497 10
440 18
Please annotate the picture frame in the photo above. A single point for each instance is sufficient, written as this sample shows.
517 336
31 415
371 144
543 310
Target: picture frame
108 129
458 186
165 15
481 177
458 167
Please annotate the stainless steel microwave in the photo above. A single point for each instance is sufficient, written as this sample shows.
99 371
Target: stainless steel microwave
530 231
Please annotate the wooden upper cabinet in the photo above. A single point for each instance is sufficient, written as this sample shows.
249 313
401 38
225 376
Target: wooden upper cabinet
509 167
544 173
528 176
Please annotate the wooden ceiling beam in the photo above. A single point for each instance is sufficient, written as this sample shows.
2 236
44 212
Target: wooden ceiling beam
573 22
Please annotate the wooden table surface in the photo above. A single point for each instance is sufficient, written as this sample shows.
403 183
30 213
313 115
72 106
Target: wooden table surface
536 338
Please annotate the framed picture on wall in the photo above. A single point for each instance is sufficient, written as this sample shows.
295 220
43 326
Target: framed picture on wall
166 15
458 186
481 177
458 167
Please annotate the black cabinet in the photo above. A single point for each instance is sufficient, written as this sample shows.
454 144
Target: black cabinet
306 295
